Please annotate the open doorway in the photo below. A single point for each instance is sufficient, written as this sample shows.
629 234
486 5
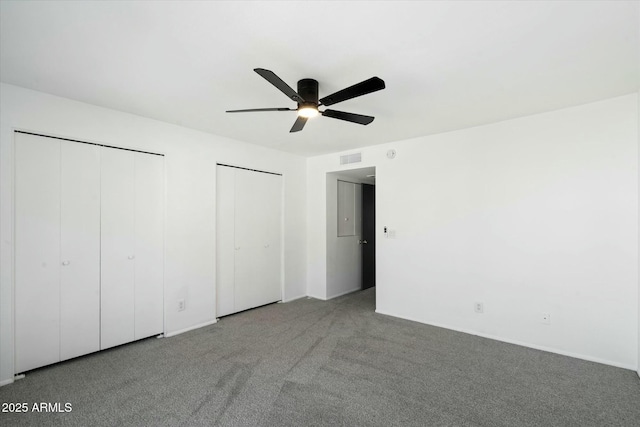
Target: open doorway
350 231
368 240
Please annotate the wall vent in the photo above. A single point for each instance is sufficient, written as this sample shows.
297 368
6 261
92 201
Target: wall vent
350 158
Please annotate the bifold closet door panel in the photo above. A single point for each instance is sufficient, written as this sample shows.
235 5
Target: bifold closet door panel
117 247
149 256
258 200
271 188
79 249
37 251
225 240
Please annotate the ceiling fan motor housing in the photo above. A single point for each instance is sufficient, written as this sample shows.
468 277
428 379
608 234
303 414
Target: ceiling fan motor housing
308 90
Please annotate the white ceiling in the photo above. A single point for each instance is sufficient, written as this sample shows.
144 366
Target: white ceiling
447 65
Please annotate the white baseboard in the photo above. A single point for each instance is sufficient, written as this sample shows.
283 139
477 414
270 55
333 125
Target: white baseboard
294 298
6 382
191 328
520 343
343 293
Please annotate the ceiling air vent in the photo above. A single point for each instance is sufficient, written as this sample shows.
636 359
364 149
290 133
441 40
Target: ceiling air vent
350 158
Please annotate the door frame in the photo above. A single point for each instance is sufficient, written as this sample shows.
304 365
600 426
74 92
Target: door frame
334 286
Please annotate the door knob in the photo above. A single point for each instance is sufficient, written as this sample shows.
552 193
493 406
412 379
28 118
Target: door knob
131 257
362 242
66 262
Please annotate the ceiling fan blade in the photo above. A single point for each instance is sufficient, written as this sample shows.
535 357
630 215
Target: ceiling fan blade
271 77
350 117
372 85
299 124
260 109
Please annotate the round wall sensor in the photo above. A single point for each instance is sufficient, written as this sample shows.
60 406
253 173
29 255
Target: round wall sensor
391 154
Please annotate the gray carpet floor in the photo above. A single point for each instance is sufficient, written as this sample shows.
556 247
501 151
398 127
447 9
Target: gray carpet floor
326 363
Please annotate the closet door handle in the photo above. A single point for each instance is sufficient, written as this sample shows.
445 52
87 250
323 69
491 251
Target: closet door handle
131 256
66 262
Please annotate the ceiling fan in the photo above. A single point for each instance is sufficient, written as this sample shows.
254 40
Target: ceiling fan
308 102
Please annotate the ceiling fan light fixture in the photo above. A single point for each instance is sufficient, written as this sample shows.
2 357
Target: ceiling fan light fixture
308 111
307 99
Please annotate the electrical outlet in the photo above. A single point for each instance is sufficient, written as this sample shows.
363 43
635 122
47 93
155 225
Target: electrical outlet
546 318
478 307
181 305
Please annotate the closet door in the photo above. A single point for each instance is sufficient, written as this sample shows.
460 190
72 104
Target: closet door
117 247
37 251
225 240
149 256
79 249
258 210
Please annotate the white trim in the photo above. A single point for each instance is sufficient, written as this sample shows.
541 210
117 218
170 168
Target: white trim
13 258
191 328
294 298
165 301
343 293
520 343
283 267
6 382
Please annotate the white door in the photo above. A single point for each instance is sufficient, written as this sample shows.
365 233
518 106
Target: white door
257 266
248 224
79 249
225 240
89 248
37 251
149 256
117 247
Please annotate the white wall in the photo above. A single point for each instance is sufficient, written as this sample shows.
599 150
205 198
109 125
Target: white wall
190 174
528 216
